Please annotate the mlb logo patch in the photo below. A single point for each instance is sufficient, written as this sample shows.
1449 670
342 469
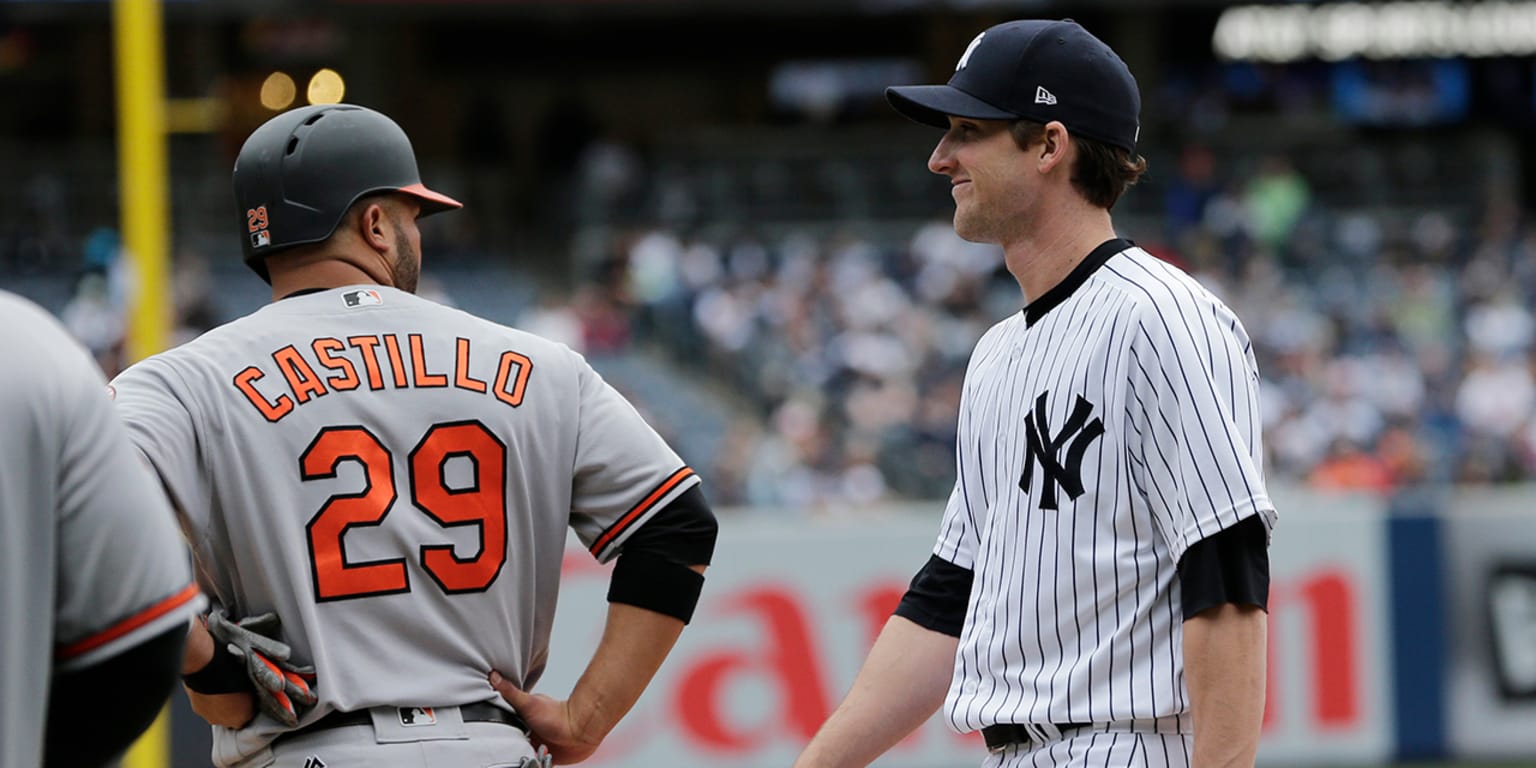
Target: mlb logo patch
259 239
363 298
412 717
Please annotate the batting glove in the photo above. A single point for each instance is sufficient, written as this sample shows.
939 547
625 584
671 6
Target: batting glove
541 760
282 689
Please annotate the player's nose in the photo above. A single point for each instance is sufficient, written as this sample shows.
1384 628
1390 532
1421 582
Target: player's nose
941 161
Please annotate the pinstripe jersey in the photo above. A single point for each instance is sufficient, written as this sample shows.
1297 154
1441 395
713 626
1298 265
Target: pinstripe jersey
395 478
1102 431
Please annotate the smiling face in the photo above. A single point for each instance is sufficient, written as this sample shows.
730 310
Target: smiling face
994 186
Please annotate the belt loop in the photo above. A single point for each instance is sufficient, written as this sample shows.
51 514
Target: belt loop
1048 732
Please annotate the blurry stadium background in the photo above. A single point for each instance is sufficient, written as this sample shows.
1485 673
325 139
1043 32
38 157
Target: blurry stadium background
712 201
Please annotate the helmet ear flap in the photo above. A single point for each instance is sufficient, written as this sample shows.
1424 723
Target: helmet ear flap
297 175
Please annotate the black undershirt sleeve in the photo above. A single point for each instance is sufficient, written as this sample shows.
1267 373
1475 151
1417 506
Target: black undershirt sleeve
1231 566
654 570
113 701
938 597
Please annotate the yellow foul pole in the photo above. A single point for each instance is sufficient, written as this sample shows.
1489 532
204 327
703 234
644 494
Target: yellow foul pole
141 178
141 187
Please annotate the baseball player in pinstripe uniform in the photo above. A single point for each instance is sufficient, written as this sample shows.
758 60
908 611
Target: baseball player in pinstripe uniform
1097 593
394 479
99 590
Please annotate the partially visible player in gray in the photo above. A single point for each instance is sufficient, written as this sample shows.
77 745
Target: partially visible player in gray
395 480
98 587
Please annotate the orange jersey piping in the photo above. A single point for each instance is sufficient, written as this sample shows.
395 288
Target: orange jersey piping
640 509
128 625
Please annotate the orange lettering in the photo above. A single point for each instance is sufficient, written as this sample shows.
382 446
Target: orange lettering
368 346
518 379
325 351
461 377
245 381
419 366
392 344
302 379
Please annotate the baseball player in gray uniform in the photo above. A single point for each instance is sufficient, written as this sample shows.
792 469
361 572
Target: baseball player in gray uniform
1097 592
99 588
394 479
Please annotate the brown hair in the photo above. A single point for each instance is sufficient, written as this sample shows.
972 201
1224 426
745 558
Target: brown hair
1102 173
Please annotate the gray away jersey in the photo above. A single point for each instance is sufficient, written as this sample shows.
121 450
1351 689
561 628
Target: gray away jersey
89 549
395 478
1094 447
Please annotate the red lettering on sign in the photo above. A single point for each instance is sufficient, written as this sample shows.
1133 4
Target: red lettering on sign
1331 615
790 661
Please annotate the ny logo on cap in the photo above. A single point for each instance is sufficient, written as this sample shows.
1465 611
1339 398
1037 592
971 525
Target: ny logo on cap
1042 96
965 58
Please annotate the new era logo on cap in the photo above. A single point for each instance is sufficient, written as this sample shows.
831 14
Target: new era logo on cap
1042 96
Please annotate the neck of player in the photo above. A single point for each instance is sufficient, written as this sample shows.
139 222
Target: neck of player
1065 230
324 271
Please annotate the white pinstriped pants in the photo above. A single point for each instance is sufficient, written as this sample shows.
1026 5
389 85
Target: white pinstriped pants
1157 744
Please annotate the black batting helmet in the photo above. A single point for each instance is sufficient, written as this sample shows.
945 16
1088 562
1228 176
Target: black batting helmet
298 173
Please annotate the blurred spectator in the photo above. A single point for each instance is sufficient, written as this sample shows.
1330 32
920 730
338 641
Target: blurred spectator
1496 397
1190 191
94 318
1274 200
555 319
197 309
1349 467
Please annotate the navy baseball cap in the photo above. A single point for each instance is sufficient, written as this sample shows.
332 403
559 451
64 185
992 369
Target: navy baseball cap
1040 70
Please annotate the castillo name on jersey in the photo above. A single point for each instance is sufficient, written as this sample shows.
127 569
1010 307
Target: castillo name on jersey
380 361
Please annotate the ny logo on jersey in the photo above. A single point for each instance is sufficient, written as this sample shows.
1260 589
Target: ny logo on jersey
1045 447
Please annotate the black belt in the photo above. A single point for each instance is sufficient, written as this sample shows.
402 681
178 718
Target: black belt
479 712
1004 735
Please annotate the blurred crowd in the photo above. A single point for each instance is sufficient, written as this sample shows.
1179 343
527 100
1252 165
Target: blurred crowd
1395 347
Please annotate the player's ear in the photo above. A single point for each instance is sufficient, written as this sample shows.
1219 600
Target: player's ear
374 227
1054 146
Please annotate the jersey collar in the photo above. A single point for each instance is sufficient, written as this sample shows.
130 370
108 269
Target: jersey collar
1058 293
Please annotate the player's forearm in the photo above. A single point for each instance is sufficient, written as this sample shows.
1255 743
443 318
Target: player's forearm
231 710
634 644
199 648
900 686
1224 668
